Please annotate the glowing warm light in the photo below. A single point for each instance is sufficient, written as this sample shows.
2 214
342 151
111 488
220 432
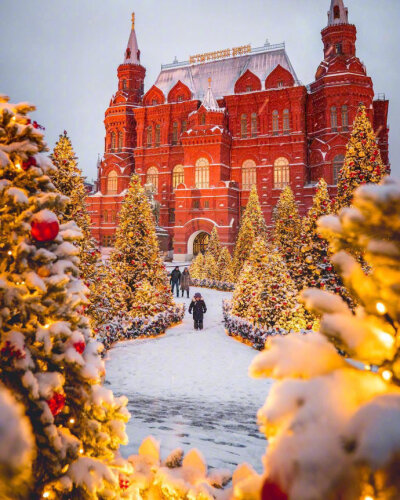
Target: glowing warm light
368 497
46 494
385 338
47 325
9 252
18 166
81 451
381 308
71 420
387 375
367 367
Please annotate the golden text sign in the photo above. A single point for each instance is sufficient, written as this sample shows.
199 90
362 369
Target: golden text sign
220 54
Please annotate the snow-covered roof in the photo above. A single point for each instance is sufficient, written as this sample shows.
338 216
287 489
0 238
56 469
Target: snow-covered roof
209 101
224 72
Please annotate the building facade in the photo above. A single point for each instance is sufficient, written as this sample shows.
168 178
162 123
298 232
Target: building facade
210 128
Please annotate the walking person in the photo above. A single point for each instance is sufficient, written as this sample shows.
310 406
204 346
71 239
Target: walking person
175 279
198 306
185 281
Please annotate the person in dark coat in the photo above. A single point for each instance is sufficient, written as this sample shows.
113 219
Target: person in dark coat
198 306
185 281
175 277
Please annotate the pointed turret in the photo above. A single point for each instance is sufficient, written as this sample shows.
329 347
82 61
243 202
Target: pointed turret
338 13
132 52
209 101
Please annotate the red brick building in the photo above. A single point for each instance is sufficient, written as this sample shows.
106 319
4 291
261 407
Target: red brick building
211 127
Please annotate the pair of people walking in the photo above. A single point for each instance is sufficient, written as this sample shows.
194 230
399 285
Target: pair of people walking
182 280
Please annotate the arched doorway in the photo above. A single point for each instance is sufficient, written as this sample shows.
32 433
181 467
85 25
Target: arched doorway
200 243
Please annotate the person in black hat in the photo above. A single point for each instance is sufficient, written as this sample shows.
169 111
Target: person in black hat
198 306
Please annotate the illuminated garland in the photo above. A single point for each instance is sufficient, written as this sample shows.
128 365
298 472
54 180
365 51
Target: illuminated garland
215 284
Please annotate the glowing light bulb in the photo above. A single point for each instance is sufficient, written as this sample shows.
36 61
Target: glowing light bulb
368 497
81 451
71 420
387 375
18 166
47 325
46 494
381 308
367 367
9 252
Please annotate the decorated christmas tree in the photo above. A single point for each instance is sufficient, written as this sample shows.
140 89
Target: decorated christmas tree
214 245
254 213
316 268
265 293
211 268
68 180
333 425
136 259
363 162
48 359
224 266
244 243
198 267
287 233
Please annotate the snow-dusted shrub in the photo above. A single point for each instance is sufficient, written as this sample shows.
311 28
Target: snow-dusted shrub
333 424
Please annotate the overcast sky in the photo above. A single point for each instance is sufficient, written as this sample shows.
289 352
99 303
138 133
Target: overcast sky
62 55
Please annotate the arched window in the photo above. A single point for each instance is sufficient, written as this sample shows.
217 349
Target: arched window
203 119
120 140
281 173
345 118
112 141
183 126
105 216
243 126
337 166
124 84
249 174
333 119
149 139
275 122
152 178
254 127
178 176
112 182
286 121
112 217
157 138
202 174
175 133
336 12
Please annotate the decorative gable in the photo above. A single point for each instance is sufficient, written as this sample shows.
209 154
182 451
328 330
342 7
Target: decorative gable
179 92
279 77
248 82
153 97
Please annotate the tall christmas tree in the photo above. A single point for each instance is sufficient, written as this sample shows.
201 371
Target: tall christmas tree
224 265
136 258
48 359
210 266
214 246
244 243
198 267
316 268
254 213
263 300
351 410
68 180
363 162
287 233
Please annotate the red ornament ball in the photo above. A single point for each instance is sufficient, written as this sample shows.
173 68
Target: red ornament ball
79 347
10 351
56 403
31 161
44 226
271 491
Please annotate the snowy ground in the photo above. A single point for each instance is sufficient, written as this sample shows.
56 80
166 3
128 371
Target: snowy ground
191 389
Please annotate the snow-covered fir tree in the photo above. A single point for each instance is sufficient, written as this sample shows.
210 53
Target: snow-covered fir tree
210 267
48 360
362 163
214 246
136 258
287 233
254 213
68 180
265 293
333 426
197 268
244 243
224 265
316 267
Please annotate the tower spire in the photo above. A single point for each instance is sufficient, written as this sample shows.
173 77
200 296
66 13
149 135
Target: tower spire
209 101
132 52
338 13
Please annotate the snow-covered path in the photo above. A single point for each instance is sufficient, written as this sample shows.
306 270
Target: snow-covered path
191 389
